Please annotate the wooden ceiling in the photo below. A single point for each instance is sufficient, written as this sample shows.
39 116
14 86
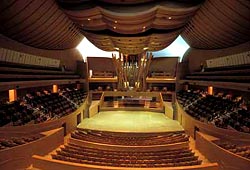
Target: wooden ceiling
38 23
151 25
131 26
132 19
133 45
219 24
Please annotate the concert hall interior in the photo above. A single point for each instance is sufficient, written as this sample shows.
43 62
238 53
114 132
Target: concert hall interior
64 106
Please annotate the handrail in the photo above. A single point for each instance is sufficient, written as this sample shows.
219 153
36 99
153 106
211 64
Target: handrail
161 100
102 99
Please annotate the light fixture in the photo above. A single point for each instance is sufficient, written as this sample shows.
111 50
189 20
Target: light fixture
169 17
89 19
145 48
114 27
115 21
116 48
144 27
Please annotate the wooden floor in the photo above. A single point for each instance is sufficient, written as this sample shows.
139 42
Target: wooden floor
131 121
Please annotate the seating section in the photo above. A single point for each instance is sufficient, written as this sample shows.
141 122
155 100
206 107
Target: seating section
94 156
126 138
37 107
16 141
51 104
218 110
141 158
16 114
243 151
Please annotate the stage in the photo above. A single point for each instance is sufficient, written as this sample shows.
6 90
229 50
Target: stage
131 121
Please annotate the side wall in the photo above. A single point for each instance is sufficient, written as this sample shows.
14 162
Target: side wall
197 56
67 57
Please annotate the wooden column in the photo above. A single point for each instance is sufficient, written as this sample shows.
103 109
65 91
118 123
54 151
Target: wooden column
12 95
210 90
55 88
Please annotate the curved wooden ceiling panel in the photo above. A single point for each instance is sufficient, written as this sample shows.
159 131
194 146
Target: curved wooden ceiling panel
219 24
109 1
126 1
38 23
133 45
133 19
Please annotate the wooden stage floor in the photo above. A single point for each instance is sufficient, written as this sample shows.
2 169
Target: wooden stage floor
131 121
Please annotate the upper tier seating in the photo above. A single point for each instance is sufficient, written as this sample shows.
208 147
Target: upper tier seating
227 74
116 138
17 72
222 112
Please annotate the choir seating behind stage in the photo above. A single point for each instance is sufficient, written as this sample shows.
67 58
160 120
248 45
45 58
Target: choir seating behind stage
103 74
218 110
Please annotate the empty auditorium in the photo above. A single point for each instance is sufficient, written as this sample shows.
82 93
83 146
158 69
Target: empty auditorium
124 84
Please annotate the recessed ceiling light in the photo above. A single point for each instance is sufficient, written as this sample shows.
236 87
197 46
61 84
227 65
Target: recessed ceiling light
169 17
115 21
114 27
144 27
89 19
145 48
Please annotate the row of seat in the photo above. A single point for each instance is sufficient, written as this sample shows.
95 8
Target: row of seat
15 141
243 151
130 141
